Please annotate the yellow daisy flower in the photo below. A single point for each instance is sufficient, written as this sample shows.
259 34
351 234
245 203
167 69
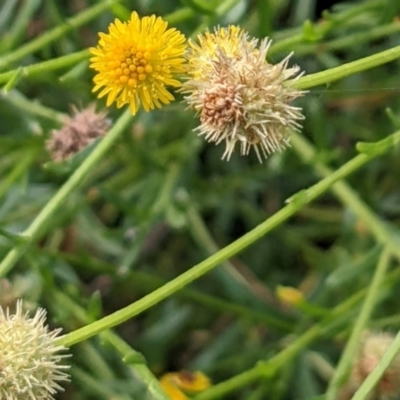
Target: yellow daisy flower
136 60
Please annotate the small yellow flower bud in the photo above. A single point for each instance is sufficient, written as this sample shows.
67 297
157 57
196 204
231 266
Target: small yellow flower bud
289 295
176 384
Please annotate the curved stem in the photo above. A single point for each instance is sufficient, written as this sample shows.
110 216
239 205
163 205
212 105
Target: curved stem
295 203
348 196
39 223
55 33
144 283
346 361
373 378
342 71
350 40
45 66
270 367
127 353
32 107
19 169
322 28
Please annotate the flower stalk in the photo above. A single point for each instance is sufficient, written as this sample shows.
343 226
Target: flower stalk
55 33
37 227
296 203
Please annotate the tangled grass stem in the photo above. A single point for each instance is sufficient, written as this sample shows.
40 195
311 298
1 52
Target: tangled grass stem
295 204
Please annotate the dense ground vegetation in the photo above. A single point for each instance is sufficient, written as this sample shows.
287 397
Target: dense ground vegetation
272 320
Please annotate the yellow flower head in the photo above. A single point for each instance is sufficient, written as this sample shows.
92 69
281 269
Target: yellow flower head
136 60
240 97
290 295
202 55
176 384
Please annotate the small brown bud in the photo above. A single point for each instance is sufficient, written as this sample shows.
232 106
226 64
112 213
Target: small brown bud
77 133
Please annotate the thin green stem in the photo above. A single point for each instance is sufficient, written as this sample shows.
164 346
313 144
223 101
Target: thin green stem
94 360
20 24
348 196
45 66
32 107
182 14
21 166
374 377
98 387
128 354
37 227
145 282
322 29
305 82
296 203
350 40
344 70
393 321
264 369
55 33
137 364
201 235
223 8
270 367
341 373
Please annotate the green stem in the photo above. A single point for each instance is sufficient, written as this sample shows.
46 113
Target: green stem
323 28
20 24
97 387
305 82
350 40
223 8
38 225
295 204
32 107
180 15
393 321
125 351
374 377
21 166
201 235
145 283
93 359
347 359
55 33
268 368
344 70
264 369
45 66
348 196
271 366
138 367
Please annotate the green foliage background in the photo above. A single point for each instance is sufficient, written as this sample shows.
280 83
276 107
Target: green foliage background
161 201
